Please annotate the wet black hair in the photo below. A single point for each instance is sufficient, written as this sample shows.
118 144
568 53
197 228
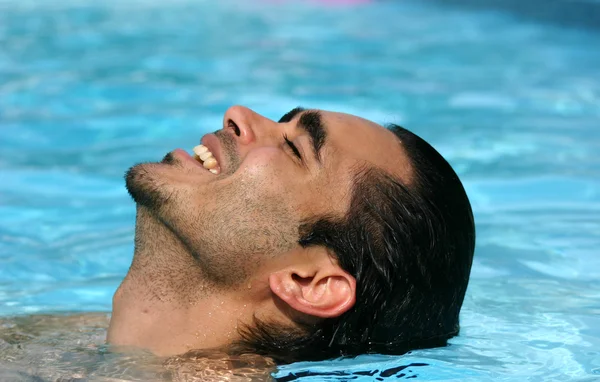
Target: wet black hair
410 247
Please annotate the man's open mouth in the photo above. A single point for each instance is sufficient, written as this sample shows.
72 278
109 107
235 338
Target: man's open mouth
203 155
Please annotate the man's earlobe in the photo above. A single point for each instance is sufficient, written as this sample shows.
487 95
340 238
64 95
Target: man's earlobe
320 289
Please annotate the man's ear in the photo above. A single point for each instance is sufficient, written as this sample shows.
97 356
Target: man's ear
318 286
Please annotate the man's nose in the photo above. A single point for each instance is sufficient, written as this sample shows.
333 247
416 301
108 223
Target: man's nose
247 125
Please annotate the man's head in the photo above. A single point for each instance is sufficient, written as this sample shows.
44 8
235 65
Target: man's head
340 236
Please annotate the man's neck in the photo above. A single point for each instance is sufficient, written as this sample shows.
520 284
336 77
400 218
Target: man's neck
165 303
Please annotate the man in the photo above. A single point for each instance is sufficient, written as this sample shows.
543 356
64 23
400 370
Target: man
318 236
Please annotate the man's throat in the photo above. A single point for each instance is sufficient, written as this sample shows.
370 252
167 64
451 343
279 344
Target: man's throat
164 304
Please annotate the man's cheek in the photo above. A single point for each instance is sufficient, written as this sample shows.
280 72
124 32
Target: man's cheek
260 160
266 167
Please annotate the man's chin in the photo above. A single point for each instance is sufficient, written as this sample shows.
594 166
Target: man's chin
142 185
168 159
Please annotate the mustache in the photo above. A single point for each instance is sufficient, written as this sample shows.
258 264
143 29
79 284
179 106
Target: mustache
229 150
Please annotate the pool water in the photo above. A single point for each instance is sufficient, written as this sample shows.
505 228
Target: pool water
89 88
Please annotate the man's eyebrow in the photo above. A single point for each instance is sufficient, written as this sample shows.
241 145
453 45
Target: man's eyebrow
291 114
311 122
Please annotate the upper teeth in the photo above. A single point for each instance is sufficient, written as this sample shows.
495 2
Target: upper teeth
203 154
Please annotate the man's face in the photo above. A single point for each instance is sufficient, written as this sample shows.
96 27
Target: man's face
272 177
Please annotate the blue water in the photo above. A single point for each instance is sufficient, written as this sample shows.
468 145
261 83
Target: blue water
88 89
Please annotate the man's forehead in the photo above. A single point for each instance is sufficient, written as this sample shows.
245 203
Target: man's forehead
349 119
367 141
